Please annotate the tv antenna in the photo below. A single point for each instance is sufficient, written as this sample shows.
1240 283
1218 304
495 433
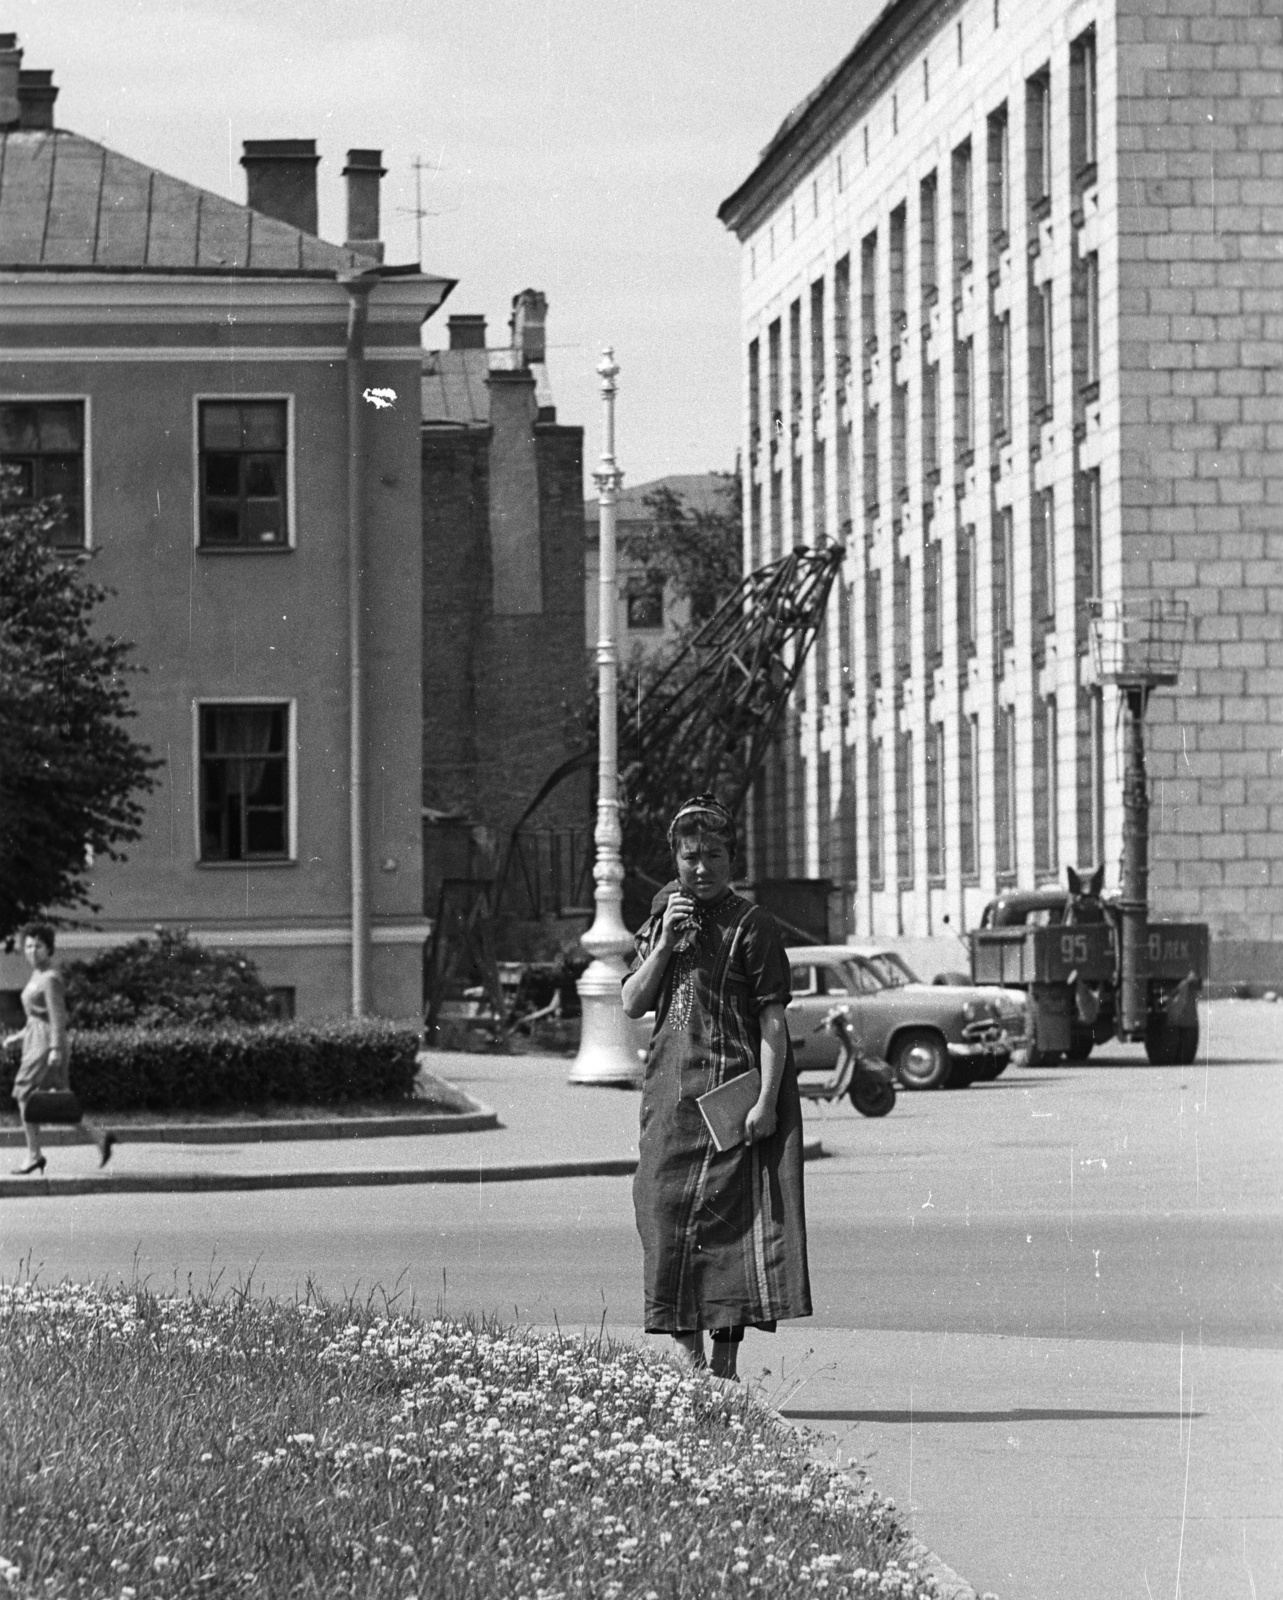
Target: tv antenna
417 210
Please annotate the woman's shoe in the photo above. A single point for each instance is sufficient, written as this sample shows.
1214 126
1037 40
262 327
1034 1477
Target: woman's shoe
38 1165
105 1146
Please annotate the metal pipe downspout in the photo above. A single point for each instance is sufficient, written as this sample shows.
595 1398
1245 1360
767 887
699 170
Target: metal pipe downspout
358 290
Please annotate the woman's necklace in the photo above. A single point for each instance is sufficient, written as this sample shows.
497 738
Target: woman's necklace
687 955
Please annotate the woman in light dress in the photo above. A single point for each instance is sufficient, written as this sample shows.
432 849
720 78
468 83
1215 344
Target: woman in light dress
46 1047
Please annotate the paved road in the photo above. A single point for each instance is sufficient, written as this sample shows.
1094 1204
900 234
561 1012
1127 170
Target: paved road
1049 1309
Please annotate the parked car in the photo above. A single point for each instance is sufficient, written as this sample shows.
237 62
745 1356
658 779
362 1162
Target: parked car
932 1034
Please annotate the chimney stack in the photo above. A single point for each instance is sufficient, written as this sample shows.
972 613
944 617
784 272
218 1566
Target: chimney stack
363 171
36 95
10 65
529 313
280 180
467 331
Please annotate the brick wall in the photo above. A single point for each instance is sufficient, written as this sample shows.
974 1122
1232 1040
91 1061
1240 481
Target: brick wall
500 693
1200 213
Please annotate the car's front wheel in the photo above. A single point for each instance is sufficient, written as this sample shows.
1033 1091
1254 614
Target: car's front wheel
921 1060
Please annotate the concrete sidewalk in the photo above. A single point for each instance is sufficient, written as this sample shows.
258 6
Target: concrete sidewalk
528 1122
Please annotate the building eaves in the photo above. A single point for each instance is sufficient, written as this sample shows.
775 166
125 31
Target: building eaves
816 123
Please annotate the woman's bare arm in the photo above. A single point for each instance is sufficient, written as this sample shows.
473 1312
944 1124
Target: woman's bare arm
56 999
760 1122
641 988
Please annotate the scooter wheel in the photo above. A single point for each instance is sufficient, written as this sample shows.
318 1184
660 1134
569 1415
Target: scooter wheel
873 1099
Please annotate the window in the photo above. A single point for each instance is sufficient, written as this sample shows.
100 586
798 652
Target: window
243 472
1091 266
1005 790
1000 377
902 609
873 626
1005 574
932 632
754 400
904 867
964 389
967 592
645 602
875 814
1082 107
43 441
969 820
935 800
1044 511
999 179
817 343
1041 351
1044 788
962 207
1038 150
244 782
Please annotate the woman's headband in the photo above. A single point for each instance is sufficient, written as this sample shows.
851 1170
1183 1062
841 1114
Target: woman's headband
708 810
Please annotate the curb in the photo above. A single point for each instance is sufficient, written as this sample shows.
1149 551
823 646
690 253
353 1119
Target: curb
949 1584
270 1132
356 1178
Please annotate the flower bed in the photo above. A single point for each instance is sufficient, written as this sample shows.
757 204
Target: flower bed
165 1446
205 1068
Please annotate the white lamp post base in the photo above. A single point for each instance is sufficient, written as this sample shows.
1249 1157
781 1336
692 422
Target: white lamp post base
607 1048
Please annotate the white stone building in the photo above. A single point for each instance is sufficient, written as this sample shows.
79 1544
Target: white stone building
1013 332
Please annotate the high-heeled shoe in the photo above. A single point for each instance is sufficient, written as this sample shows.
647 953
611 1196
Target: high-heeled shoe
105 1146
38 1165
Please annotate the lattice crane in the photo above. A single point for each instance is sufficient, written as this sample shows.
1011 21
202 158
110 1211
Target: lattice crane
705 723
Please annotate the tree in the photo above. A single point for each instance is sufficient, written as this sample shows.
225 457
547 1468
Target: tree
70 774
698 555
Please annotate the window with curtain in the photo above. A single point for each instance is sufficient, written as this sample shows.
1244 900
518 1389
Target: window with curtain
42 442
244 782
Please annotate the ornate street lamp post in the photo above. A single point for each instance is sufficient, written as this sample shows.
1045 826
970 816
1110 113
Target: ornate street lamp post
607 1054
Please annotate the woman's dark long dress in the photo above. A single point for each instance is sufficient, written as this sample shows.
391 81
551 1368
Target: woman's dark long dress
723 1235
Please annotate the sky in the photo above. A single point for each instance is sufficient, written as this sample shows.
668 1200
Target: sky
573 146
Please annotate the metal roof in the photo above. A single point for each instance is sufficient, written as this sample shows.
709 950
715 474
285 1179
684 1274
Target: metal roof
454 388
68 203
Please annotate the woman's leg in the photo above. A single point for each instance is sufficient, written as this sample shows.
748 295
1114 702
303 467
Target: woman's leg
726 1346
691 1346
104 1139
31 1132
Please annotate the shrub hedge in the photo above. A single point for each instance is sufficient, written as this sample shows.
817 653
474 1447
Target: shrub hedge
166 982
204 1069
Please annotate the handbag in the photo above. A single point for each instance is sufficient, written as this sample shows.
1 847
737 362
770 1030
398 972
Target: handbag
58 1106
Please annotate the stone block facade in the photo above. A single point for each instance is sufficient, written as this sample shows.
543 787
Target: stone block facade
1012 283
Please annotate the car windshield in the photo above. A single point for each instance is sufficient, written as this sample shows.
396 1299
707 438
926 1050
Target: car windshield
893 971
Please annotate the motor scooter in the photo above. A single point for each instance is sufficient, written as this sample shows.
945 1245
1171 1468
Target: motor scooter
868 1081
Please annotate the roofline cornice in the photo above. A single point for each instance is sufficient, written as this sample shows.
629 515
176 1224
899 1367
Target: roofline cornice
864 74
39 294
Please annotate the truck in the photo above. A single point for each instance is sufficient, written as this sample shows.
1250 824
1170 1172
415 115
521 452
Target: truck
1070 970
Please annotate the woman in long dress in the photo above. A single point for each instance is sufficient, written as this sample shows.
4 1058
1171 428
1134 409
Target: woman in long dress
723 1234
46 1048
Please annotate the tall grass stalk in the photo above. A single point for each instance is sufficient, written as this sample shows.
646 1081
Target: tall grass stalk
206 1445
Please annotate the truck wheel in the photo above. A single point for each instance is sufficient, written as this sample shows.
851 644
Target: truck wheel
1170 1047
921 1060
989 1069
1080 1045
873 1099
1038 1057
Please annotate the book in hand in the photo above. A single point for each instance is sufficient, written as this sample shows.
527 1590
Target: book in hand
725 1108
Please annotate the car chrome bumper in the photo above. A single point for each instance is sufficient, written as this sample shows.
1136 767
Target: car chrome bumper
983 1037
986 1047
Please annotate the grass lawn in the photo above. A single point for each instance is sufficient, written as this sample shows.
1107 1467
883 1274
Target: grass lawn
205 1446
